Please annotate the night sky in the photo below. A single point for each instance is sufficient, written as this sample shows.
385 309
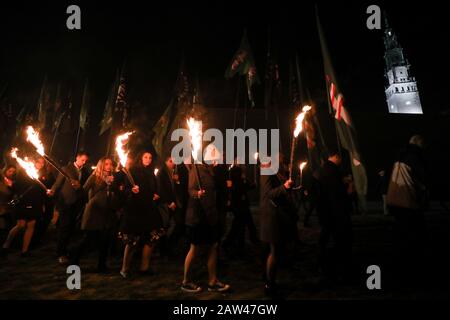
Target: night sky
152 37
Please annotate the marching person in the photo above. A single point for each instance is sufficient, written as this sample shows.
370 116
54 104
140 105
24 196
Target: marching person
382 188
202 223
334 212
172 203
48 179
99 215
407 199
141 225
240 205
30 207
278 222
69 202
7 184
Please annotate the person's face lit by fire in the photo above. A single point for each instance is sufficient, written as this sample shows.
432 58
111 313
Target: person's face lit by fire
39 164
147 159
336 159
10 173
81 160
108 166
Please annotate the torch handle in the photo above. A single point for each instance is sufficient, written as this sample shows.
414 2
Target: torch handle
41 184
129 176
54 165
198 177
291 160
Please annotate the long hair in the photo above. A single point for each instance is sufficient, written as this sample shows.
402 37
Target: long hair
99 169
6 168
138 161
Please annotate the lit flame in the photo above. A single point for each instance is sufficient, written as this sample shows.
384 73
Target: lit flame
27 165
256 155
302 165
156 171
33 138
121 141
195 132
299 121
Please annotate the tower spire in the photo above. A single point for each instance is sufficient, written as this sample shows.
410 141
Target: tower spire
402 95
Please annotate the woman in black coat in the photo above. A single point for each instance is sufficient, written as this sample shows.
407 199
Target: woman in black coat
141 223
7 178
29 208
278 221
99 214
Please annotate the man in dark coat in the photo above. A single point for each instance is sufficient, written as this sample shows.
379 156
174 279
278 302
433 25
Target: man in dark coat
69 202
172 204
334 211
278 221
240 205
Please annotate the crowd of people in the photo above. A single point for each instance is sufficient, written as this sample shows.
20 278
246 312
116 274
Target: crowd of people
182 208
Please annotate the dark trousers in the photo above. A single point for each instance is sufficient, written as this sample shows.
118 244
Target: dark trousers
68 217
242 219
336 260
410 238
98 239
43 223
179 228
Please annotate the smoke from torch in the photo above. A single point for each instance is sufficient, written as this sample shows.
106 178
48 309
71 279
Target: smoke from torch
28 166
298 129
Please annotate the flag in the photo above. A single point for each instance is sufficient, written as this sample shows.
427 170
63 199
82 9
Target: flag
84 107
243 64
107 119
58 113
272 83
346 132
178 107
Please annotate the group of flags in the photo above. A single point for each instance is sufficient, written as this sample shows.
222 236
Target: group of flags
116 114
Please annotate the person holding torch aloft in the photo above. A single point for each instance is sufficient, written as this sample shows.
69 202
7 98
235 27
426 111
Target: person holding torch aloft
70 201
30 207
278 221
141 225
202 217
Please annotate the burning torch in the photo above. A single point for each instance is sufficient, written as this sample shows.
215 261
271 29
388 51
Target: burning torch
256 155
298 129
121 141
195 133
29 168
33 138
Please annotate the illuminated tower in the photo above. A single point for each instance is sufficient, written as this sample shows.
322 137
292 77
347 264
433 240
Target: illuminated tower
402 95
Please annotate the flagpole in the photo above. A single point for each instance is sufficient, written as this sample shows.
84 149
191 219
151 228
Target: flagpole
77 141
236 104
245 113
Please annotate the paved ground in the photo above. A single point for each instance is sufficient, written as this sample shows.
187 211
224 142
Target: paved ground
40 277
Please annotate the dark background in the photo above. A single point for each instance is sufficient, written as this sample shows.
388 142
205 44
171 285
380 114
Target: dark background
153 36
